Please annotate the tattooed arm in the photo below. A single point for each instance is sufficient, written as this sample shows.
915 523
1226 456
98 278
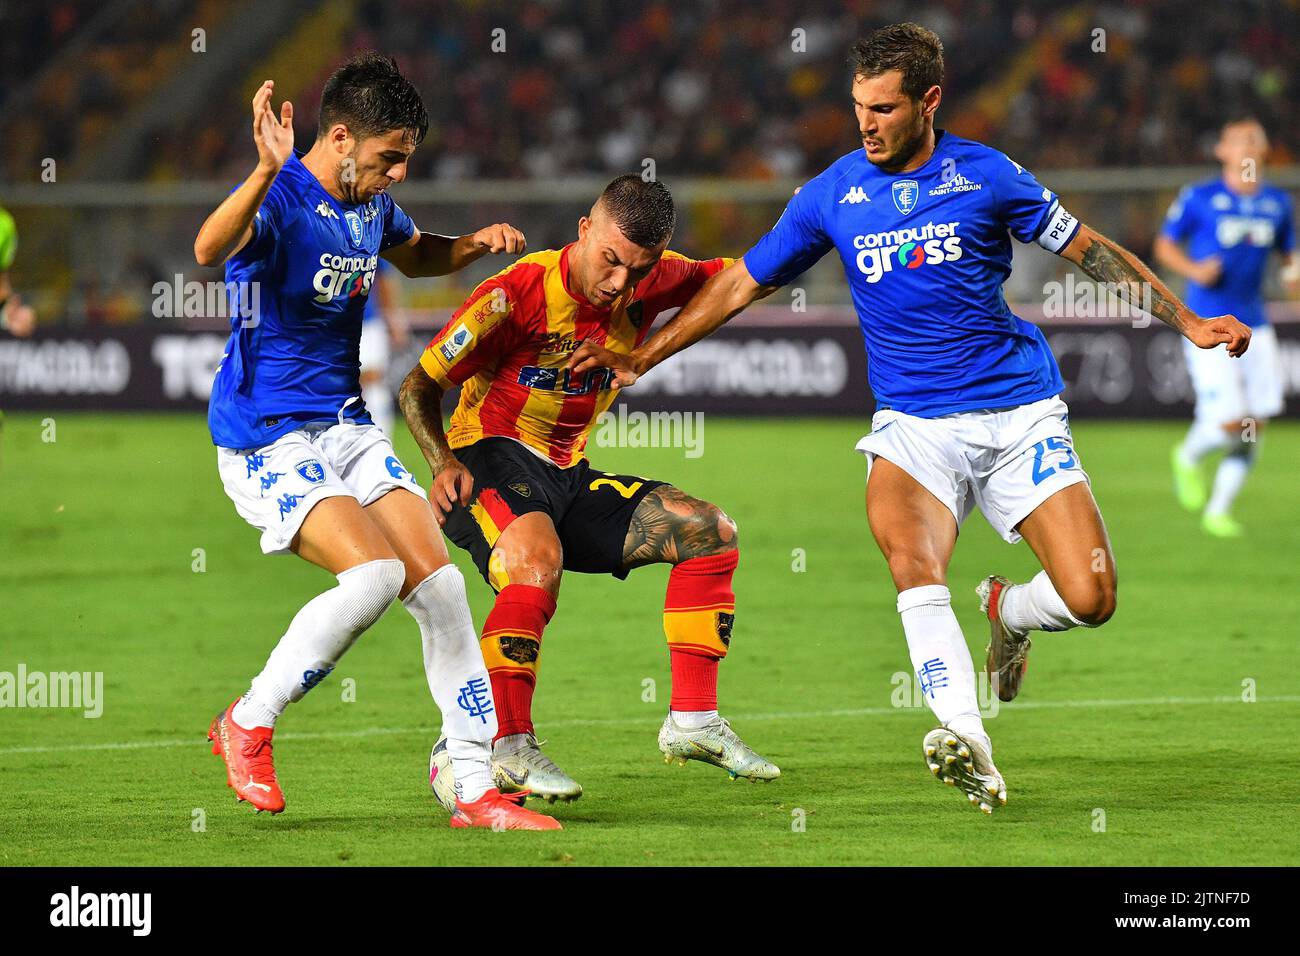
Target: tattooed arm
428 254
669 526
724 296
420 399
1106 261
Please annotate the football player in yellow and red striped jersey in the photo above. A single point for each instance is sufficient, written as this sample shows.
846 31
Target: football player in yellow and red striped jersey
513 487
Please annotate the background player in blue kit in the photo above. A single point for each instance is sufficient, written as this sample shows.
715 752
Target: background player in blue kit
968 407
1231 226
296 449
384 330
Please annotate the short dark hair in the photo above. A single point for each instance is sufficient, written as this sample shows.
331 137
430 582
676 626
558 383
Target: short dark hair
369 95
642 209
907 47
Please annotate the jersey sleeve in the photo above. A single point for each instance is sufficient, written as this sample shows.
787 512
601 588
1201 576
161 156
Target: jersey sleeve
1284 240
474 337
267 223
398 227
682 277
1030 211
795 243
1181 217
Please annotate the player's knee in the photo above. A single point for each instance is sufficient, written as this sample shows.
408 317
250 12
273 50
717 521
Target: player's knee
538 562
728 530
911 568
709 529
1092 606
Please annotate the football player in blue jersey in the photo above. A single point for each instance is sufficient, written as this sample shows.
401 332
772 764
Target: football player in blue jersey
384 330
968 407
297 451
1231 225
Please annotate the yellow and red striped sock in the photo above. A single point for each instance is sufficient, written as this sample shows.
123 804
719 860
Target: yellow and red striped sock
511 644
699 610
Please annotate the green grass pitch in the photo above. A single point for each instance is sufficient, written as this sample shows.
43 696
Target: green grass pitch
1131 744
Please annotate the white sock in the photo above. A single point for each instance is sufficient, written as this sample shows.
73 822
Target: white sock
1036 607
940 658
471 766
1203 438
379 403
1230 476
322 630
693 719
457 677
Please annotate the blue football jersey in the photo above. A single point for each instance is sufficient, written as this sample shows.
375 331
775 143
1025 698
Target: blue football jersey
925 254
1241 230
313 260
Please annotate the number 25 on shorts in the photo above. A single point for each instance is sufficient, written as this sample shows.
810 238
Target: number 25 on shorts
1042 472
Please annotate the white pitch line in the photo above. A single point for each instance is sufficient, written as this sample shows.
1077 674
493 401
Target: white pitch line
637 721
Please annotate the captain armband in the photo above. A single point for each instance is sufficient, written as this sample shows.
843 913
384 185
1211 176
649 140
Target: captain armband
1059 230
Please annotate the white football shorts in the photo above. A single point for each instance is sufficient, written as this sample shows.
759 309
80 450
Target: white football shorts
274 488
1008 462
1229 389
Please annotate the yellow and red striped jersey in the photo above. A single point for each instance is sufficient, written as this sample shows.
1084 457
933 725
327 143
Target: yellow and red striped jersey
507 346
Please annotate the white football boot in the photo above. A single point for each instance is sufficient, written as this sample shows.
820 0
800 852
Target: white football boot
519 764
714 743
965 763
441 780
522 770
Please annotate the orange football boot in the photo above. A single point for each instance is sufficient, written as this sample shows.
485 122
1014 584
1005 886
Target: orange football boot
247 753
501 811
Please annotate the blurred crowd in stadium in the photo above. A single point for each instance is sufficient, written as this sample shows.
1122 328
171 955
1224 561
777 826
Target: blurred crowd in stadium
749 89
708 88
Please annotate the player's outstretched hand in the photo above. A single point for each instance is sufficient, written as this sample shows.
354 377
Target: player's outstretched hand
452 485
20 319
501 237
1221 330
274 137
589 355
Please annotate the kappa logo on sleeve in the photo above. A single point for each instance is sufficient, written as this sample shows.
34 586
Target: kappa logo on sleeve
456 342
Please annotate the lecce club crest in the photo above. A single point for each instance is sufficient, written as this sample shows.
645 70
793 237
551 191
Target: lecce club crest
905 192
